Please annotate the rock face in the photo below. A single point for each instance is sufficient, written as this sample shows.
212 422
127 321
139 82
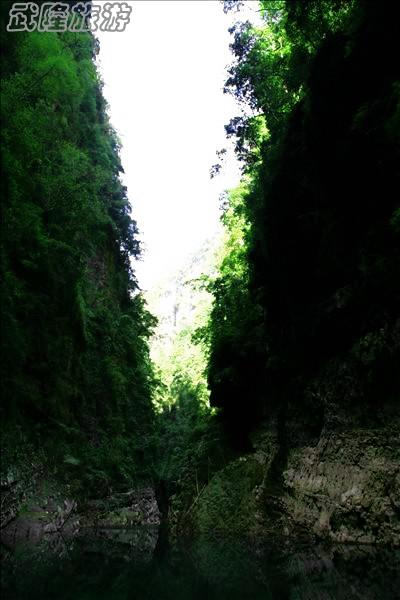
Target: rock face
38 521
16 485
345 488
34 506
232 501
136 507
51 519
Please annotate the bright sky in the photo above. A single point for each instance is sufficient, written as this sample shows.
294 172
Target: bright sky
163 80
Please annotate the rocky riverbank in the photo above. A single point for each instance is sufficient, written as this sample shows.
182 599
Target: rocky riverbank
40 510
343 488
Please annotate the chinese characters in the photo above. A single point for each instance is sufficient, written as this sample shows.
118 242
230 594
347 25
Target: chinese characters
60 16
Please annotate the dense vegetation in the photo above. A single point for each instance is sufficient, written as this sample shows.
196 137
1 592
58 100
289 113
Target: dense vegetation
306 309
76 374
188 442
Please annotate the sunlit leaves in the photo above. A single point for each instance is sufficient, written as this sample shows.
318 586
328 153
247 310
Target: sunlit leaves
76 339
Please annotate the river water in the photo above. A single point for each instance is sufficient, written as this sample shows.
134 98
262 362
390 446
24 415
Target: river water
139 564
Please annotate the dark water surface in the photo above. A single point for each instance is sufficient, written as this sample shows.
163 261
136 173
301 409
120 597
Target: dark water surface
139 564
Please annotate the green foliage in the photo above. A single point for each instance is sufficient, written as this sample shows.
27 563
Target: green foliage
188 439
307 283
233 331
309 279
76 368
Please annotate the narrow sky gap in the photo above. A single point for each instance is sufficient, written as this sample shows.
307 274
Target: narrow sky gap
163 80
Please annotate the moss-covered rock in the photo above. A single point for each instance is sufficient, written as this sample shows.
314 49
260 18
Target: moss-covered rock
344 488
230 502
